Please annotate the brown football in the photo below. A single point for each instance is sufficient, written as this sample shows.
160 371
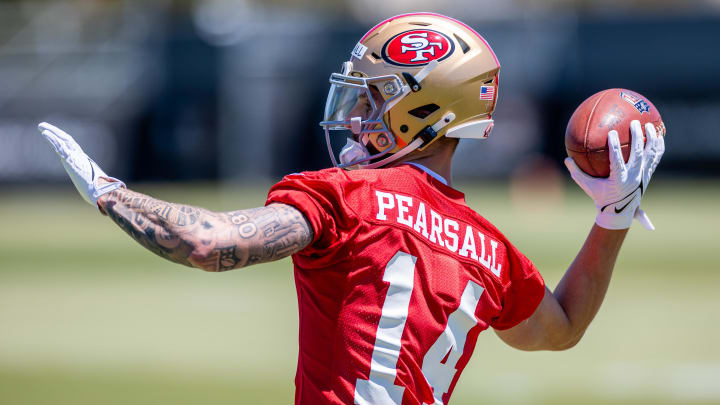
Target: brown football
587 131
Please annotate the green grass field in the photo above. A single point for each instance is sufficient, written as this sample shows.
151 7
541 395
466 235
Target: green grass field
88 317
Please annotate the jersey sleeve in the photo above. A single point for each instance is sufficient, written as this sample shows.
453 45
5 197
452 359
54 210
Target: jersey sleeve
319 196
523 292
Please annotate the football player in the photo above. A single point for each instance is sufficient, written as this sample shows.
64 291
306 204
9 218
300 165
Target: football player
396 276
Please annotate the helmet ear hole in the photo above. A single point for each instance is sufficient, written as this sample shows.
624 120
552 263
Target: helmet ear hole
423 111
382 141
378 142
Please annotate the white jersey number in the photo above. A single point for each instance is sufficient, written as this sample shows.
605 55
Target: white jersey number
379 388
451 343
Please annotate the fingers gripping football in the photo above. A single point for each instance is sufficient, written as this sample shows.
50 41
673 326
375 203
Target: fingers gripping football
654 149
618 196
85 174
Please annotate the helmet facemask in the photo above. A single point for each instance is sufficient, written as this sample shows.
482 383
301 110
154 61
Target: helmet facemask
354 111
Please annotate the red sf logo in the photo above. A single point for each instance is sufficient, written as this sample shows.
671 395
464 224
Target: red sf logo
417 48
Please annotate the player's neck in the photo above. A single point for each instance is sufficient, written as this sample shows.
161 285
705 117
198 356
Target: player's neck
439 161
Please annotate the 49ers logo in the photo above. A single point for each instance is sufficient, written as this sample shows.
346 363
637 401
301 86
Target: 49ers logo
417 48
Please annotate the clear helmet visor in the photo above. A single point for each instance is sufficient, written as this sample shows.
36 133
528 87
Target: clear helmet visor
346 102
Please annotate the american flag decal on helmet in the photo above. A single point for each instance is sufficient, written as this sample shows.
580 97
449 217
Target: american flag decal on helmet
487 93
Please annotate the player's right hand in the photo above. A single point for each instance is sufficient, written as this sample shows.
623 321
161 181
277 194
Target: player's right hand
83 171
617 197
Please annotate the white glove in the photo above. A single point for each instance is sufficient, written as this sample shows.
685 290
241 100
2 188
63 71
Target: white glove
83 172
617 197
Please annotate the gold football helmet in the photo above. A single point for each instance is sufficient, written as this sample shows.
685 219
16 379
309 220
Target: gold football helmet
411 79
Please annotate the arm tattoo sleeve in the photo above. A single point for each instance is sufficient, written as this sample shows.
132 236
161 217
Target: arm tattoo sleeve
212 241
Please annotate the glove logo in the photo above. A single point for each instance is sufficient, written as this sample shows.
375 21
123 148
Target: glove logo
417 48
617 211
632 193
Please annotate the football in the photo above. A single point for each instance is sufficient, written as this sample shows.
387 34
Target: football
612 109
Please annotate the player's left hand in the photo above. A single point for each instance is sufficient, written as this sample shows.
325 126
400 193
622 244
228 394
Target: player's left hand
89 179
617 197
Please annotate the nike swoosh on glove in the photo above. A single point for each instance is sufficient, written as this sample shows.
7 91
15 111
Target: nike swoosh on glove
83 171
617 197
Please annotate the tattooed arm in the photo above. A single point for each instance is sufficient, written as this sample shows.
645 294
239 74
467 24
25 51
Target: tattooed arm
212 241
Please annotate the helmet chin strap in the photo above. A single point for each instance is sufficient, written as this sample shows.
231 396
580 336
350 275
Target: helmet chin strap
412 146
395 156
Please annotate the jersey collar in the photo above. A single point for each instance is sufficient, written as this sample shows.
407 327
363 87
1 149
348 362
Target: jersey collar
430 172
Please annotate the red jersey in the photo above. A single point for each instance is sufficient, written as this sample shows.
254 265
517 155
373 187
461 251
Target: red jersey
398 282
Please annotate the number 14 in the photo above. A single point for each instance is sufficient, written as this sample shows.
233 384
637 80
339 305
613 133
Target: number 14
380 388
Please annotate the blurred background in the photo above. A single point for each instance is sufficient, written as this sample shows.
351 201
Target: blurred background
211 101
